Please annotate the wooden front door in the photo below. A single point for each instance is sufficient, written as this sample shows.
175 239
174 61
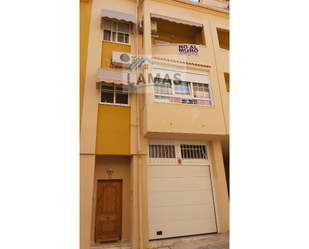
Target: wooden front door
108 210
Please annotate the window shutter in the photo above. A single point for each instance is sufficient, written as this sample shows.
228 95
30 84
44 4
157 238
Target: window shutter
123 27
107 24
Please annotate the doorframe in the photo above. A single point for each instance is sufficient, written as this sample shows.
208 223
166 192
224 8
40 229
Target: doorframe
96 202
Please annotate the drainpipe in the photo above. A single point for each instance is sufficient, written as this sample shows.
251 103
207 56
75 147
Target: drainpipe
139 177
139 149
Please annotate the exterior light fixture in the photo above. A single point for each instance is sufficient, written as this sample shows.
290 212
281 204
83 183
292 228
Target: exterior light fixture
110 172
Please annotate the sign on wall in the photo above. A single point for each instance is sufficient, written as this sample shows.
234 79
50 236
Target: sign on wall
188 49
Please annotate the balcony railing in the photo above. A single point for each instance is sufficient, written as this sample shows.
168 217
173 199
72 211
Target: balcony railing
170 52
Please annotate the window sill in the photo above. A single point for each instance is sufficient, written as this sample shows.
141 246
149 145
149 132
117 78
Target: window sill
175 44
183 104
224 49
127 44
102 103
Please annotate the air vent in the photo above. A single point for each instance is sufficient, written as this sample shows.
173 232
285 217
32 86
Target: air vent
141 26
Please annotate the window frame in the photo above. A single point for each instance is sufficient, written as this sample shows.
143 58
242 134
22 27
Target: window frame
190 96
114 95
111 30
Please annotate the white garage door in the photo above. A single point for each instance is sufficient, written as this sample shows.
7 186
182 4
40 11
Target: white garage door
180 197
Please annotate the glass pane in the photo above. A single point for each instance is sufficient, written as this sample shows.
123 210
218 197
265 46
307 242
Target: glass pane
120 37
122 88
107 86
161 98
107 35
162 86
114 37
181 87
107 97
122 98
201 90
126 38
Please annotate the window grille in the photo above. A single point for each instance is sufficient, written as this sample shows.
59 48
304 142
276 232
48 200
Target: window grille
190 151
162 151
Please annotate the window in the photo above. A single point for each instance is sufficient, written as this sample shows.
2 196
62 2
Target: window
224 39
227 81
115 31
162 151
190 151
185 92
114 94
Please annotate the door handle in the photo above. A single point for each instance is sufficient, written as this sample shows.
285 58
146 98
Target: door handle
108 217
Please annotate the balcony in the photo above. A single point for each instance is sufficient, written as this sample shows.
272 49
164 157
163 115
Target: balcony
175 31
170 52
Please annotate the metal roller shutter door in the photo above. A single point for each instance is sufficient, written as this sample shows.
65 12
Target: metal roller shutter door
180 201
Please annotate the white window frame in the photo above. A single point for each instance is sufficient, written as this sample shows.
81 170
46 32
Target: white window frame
114 92
116 21
188 97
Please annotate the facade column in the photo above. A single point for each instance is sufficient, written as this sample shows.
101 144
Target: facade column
87 166
220 187
89 124
134 202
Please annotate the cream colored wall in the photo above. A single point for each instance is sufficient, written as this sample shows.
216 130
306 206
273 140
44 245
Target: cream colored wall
220 187
216 3
121 168
86 185
223 66
134 201
213 119
163 117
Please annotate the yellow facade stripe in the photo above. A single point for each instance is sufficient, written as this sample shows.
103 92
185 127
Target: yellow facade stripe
113 130
85 12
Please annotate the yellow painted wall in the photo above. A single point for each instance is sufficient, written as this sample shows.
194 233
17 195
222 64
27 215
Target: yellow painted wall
85 11
107 52
121 168
113 130
220 187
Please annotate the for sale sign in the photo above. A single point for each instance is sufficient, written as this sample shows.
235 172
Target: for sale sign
187 49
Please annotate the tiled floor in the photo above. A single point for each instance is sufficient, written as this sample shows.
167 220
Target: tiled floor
210 241
124 244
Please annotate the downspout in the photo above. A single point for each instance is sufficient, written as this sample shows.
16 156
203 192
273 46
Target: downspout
139 164
139 177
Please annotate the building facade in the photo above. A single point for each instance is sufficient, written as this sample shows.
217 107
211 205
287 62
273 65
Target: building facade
154 119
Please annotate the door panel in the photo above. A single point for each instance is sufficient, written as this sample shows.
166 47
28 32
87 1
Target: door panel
180 201
108 210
